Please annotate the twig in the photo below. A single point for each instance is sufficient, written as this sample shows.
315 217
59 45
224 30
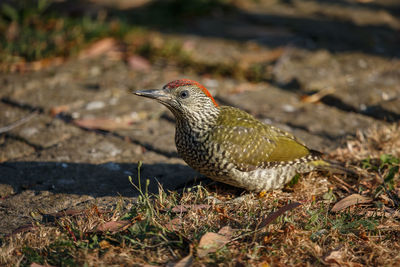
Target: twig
17 123
270 218
343 184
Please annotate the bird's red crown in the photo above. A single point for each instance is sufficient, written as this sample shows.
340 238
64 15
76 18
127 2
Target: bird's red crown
184 82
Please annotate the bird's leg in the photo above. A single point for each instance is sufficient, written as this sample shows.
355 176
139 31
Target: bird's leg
195 181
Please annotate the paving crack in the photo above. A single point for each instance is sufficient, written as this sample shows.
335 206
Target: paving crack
67 118
23 106
36 147
376 112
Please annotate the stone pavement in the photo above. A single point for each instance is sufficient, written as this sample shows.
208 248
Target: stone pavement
50 163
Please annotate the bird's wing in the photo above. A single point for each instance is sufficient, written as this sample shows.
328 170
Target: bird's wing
250 144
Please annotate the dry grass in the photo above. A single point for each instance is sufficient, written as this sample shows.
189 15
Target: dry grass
167 227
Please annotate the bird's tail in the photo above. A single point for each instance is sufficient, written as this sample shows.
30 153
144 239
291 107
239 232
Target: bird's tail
331 166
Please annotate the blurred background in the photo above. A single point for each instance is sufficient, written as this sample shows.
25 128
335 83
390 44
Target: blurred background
321 69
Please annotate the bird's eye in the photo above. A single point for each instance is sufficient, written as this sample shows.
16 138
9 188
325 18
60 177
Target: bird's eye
184 94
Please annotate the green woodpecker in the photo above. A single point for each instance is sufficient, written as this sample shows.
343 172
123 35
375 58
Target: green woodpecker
229 145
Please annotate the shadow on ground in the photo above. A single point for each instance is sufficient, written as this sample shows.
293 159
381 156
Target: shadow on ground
320 25
97 180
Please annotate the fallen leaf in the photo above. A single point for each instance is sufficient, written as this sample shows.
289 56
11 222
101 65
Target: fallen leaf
185 208
99 48
350 201
45 63
245 87
139 63
105 124
174 224
54 111
22 66
273 215
53 216
22 229
314 98
185 262
113 226
334 257
256 57
263 264
104 244
211 242
34 264
226 231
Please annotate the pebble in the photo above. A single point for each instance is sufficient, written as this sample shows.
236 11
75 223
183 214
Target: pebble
95 105
288 108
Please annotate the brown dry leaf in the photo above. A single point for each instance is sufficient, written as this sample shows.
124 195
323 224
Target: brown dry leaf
45 63
211 242
22 229
139 63
22 66
34 264
70 212
350 201
185 262
54 111
314 98
273 215
185 208
226 231
113 226
335 258
174 224
105 124
250 58
99 48
245 87
256 55
104 244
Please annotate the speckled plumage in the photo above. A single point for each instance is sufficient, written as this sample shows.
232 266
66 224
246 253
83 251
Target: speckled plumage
228 144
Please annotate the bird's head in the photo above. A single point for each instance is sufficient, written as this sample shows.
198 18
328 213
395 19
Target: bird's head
183 97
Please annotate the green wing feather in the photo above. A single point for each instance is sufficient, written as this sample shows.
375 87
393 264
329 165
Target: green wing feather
251 143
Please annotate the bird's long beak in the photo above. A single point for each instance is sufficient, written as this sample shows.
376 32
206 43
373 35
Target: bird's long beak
158 94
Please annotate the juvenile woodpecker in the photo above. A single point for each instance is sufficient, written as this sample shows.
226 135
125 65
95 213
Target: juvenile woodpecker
229 145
